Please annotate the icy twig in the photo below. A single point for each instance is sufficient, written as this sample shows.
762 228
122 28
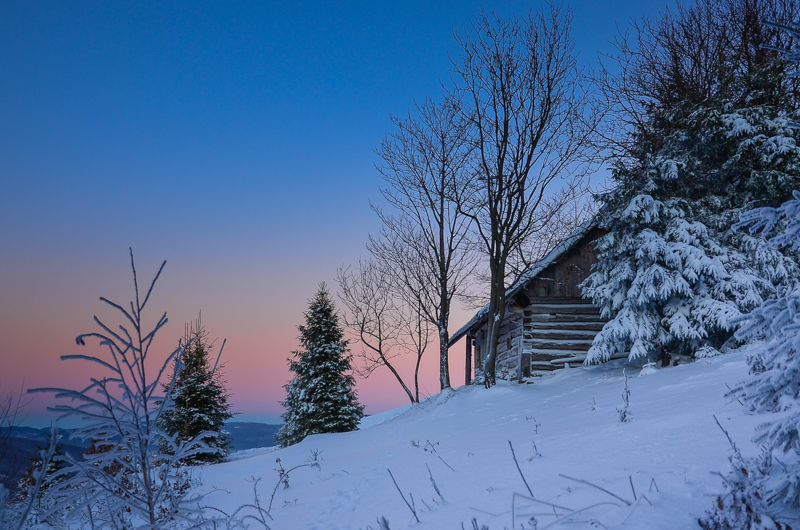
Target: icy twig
435 487
474 525
653 483
219 355
542 502
595 486
633 509
518 468
410 507
728 436
625 415
233 522
576 512
257 501
445 463
630 478
487 513
283 474
730 391
514 507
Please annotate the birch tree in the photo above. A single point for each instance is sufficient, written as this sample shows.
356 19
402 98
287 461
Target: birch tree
424 237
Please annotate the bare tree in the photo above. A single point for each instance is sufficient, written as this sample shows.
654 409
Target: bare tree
12 460
425 239
520 84
386 325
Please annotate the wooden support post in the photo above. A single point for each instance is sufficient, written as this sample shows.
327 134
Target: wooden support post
468 365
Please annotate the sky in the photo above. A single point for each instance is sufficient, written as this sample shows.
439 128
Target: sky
234 140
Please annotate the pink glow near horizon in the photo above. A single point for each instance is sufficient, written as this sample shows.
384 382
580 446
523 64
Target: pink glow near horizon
260 335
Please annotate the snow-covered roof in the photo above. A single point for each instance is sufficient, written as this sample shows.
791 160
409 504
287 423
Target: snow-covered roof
552 256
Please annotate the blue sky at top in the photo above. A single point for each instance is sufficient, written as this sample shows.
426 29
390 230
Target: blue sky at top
234 139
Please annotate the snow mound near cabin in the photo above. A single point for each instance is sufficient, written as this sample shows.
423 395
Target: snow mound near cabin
564 425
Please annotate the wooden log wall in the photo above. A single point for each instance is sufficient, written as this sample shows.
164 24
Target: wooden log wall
508 345
548 323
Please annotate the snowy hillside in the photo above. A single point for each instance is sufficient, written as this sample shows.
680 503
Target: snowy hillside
566 424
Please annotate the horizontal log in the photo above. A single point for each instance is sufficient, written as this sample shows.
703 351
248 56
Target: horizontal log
544 344
554 363
562 309
539 354
549 318
560 334
558 300
592 326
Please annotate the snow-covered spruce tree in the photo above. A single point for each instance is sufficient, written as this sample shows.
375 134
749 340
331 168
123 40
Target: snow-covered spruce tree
320 398
133 477
672 275
200 398
775 362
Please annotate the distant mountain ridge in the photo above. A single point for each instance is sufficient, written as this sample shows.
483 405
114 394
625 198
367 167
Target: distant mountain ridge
250 435
25 444
244 435
27 441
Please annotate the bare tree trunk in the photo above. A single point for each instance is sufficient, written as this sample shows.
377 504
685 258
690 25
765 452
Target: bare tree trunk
497 307
519 83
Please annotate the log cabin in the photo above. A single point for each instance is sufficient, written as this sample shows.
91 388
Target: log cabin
548 324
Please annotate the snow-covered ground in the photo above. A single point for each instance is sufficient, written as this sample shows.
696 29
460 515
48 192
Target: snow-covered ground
668 453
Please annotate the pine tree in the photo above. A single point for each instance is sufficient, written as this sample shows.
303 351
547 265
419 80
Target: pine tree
200 399
320 398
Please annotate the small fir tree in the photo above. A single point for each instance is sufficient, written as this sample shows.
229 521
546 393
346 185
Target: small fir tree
200 398
320 398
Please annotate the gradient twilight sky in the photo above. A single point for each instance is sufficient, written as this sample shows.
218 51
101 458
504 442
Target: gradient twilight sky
233 139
